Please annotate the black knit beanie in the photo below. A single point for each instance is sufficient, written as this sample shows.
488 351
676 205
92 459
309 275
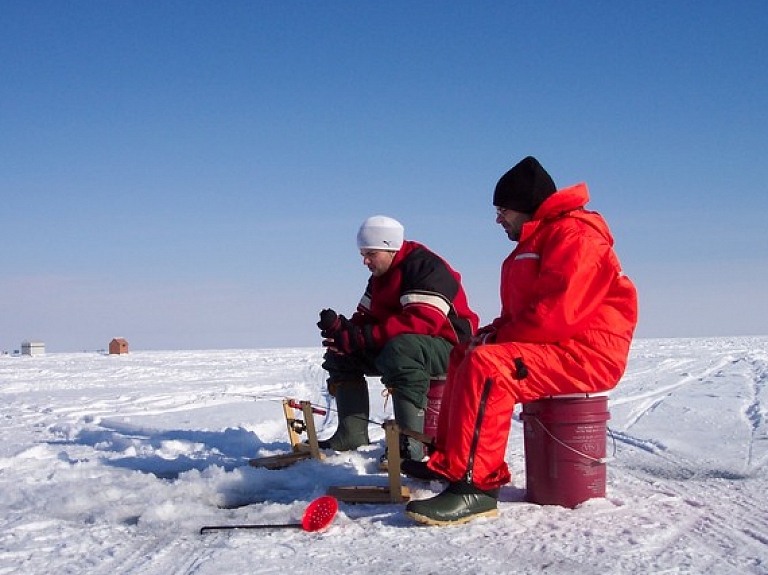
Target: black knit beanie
524 188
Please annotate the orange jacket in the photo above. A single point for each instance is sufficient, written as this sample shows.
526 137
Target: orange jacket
564 282
568 313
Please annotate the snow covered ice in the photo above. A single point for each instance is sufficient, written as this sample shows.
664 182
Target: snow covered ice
111 464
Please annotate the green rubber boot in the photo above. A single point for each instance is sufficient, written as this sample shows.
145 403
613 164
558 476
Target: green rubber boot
459 503
353 408
412 417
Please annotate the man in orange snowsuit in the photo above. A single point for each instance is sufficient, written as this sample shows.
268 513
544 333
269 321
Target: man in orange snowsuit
567 319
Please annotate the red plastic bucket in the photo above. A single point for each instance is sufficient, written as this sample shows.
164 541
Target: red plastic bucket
434 400
565 442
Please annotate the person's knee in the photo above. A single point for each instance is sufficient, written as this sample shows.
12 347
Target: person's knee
489 356
343 368
400 353
402 345
414 392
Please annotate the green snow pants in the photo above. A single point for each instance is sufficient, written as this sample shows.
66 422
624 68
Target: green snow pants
406 365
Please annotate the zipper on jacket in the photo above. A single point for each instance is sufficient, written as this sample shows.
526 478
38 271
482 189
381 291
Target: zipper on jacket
478 423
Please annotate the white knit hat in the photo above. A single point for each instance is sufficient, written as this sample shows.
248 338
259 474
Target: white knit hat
380 233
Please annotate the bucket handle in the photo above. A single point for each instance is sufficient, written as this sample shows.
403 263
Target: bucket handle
596 460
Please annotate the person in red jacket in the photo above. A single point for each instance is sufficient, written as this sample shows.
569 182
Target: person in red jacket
413 312
568 314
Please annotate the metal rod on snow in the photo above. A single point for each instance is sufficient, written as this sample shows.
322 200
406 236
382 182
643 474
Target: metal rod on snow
317 516
249 526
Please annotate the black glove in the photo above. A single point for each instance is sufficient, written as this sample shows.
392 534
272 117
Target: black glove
329 322
351 339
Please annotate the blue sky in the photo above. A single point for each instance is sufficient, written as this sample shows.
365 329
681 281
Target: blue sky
191 175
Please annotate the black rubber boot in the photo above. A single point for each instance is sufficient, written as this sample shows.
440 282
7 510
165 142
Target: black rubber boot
409 416
460 503
353 408
419 470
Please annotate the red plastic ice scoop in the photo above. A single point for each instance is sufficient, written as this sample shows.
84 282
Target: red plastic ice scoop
320 513
317 516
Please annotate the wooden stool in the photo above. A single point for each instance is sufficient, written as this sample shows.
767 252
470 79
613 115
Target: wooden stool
299 450
394 492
